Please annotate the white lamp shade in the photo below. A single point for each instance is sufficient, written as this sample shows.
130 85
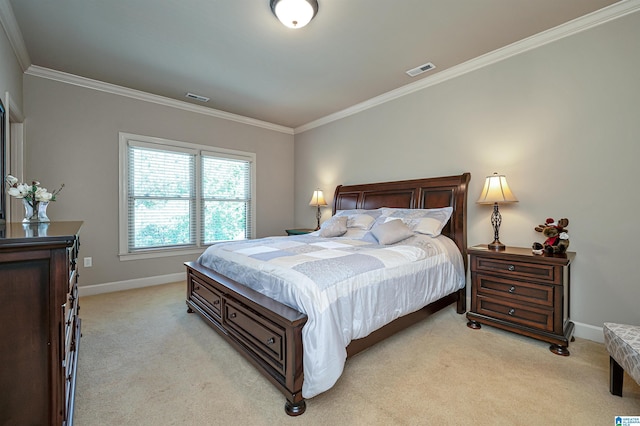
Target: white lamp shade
317 199
496 190
294 13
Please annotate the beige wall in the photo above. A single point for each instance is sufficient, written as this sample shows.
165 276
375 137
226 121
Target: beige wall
10 83
72 137
10 71
562 122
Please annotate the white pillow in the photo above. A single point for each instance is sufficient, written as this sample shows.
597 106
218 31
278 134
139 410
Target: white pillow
360 221
424 221
334 227
391 232
360 218
429 226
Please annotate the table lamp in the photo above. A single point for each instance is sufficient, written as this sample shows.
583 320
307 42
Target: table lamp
496 191
317 199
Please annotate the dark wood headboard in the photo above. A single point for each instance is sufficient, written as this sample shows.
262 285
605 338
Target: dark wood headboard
428 193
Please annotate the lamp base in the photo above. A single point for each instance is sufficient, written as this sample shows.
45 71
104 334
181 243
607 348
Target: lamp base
318 216
496 245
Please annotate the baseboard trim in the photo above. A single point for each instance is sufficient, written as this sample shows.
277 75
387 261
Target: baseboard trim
91 290
588 331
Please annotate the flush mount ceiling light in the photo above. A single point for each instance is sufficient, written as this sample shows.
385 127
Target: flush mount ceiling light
294 13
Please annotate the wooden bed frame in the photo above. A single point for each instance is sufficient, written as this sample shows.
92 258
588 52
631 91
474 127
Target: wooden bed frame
269 333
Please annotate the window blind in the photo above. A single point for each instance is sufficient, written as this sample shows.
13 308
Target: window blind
226 196
161 198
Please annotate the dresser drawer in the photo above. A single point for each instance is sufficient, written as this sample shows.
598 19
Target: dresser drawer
72 256
70 314
264 337
517 269
73 280
70 365
518 291
530 316
207 297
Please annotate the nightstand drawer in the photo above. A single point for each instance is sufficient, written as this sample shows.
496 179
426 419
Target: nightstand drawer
529 316
491 286
514 268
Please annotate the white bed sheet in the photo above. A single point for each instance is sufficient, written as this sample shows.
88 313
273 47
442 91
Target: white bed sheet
349 306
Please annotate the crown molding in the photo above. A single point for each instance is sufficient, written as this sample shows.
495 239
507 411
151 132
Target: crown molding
11 28
88 83
609 13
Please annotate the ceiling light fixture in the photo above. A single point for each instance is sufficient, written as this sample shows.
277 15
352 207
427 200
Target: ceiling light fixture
294 13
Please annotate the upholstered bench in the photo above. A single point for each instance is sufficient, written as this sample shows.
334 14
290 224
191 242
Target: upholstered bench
623 344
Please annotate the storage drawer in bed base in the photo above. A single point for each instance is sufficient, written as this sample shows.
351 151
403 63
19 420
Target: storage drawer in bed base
265 332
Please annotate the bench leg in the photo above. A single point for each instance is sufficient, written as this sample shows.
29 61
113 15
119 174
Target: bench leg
616 374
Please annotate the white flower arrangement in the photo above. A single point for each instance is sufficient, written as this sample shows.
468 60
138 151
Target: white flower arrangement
32 193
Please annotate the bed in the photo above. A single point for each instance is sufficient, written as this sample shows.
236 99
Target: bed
276 335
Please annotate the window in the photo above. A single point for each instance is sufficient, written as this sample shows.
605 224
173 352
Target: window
177 197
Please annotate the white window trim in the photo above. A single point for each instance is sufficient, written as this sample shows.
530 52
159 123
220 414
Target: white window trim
124 139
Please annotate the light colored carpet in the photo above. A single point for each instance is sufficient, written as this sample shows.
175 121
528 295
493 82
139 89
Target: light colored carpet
144 361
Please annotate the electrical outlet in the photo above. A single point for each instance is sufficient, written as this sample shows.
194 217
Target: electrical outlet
88 262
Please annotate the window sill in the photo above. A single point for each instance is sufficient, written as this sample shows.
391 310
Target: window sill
152 254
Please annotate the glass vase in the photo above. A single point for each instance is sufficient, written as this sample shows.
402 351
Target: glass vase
35 211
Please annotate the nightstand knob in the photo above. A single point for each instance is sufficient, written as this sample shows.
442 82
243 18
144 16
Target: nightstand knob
512 311
511 268
512 289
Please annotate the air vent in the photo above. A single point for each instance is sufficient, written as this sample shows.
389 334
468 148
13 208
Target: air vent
422 68
197 97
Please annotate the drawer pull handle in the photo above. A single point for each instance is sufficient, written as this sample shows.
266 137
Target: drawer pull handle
216 302
271 341
512 311
232 315
197 287
511 268
512 289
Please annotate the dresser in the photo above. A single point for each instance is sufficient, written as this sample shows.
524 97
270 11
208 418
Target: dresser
519 291
39 323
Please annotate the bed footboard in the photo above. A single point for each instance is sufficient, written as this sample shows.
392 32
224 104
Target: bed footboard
265 332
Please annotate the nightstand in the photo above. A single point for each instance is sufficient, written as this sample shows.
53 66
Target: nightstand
519 291
300 231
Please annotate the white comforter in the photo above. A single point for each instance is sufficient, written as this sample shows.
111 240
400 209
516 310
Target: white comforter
346 287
